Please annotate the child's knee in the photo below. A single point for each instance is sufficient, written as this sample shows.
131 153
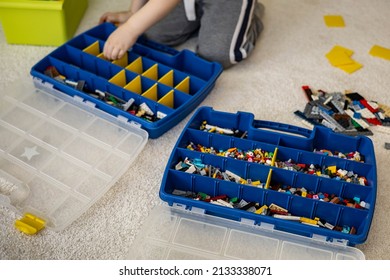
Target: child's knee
215 54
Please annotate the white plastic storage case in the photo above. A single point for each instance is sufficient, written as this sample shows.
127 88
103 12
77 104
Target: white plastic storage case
58 154
62 148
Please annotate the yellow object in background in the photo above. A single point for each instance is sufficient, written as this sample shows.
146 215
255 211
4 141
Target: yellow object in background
50 23
381 52
334 21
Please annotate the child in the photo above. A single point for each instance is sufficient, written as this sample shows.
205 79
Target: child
227 29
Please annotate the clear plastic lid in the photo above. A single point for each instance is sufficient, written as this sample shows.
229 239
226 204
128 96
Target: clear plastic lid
58 154
174 233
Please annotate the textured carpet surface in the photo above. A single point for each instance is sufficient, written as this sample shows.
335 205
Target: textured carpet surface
290 53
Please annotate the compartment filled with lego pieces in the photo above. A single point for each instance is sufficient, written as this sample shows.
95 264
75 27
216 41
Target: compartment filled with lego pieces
222 130
325 193
348 113
129 105
273 158
272 210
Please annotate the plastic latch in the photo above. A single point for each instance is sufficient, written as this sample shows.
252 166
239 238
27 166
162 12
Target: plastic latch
198 210
90 104
138 125
122 119
341 242
179 206
266 226
78 98
247 222
39 83
30 224
318 237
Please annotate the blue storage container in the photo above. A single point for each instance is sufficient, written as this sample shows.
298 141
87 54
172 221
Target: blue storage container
345 219
171 83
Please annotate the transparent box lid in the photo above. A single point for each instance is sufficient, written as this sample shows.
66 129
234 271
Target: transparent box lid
58 154
174 233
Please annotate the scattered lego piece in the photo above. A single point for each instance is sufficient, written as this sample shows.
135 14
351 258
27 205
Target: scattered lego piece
334 21
387 146
381 52
348 113
340 57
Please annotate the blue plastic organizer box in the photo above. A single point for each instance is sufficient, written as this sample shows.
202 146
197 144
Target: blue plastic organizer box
188 181
158 79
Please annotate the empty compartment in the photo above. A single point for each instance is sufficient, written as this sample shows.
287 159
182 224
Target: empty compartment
95 49
173 99
84 41
155 72
122 78
140 65
301 207
143 86
181 82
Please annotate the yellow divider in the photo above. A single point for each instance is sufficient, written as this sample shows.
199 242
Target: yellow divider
122 61
151 93
136 66
152 72
168 99
167 79
184 85
268 182
274 157
119 79
93 49
135 85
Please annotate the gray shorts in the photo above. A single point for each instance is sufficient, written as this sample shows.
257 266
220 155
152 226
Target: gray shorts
227 29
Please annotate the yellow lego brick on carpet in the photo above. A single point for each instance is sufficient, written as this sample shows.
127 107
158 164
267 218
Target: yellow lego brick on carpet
340 57
381 52
334 21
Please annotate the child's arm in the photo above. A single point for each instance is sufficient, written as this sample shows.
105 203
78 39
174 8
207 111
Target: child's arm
144 18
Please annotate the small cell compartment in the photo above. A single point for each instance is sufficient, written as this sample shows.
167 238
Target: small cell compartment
156 71
95 49
141 64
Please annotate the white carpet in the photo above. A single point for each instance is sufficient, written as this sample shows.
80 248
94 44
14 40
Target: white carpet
290 53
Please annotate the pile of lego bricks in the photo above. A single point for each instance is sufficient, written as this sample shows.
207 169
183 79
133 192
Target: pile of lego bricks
347 113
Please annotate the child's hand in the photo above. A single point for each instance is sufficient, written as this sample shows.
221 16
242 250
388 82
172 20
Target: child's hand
115 18
119 42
